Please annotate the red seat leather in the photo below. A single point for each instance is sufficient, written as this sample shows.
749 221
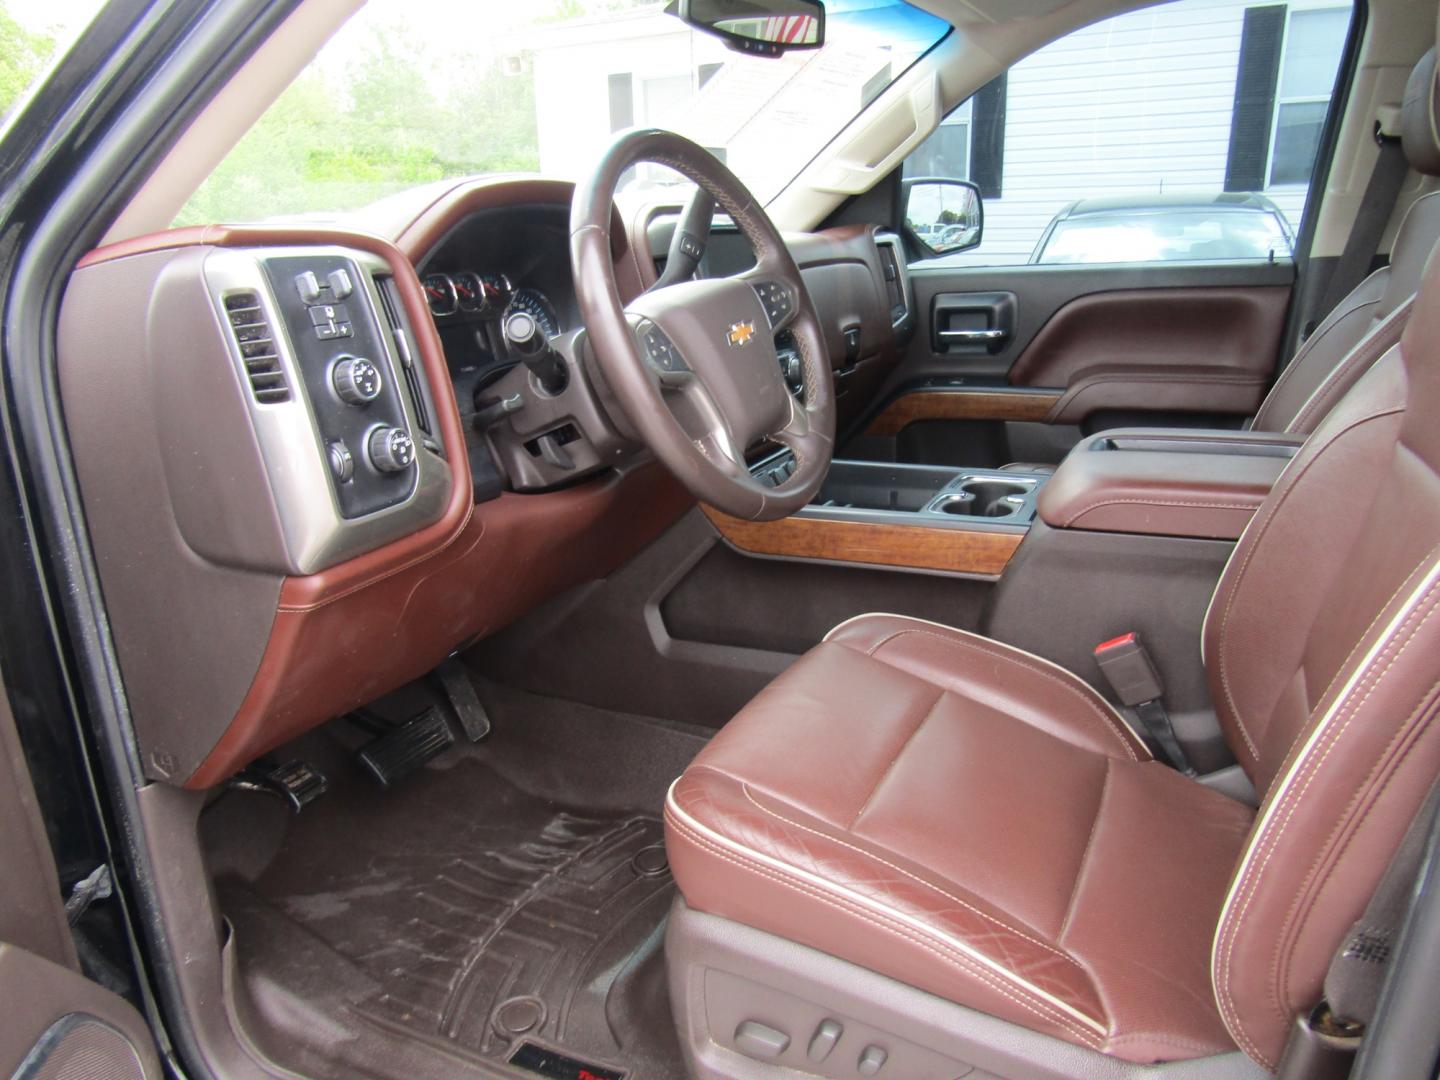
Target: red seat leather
973 821
968 819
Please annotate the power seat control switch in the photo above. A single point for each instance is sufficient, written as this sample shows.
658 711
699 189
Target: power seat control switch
761 1041
356 380
390 449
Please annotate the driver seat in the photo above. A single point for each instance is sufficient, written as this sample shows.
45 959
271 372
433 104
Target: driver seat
969 820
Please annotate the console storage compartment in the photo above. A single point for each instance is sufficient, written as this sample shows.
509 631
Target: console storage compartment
1166 482
925 494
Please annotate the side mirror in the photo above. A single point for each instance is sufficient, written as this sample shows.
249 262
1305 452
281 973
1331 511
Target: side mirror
944 216
757 27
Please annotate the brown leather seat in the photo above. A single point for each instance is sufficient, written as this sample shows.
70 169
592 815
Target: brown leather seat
1371 317
973 821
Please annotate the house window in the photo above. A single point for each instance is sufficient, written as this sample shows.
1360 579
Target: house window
969 144
1314 41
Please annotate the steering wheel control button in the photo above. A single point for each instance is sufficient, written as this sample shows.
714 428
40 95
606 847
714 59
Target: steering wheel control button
391 450
356 380
692 247
824 1039
872 1060
342 462
340 284
776 300
757 1040
660 351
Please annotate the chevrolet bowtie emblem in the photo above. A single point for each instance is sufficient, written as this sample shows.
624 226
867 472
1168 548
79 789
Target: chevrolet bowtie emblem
741 333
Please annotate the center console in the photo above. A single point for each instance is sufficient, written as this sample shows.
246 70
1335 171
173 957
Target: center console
1165 482
909 517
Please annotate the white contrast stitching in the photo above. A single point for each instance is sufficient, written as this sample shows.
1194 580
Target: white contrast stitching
1034 1005
901 870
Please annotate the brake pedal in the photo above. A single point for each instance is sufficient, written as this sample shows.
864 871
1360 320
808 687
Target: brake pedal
402 750
297 782
460 693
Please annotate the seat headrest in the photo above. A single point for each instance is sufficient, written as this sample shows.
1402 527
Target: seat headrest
1419 127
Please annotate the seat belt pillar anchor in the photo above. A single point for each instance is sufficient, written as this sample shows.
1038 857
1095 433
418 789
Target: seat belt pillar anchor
1320 1047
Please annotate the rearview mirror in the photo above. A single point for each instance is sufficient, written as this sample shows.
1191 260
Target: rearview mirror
758 27
944 216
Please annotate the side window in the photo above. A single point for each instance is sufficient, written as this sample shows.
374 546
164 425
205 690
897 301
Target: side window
1186 131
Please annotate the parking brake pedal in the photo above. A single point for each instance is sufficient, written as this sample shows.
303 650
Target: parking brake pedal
297 782
460 692
402 750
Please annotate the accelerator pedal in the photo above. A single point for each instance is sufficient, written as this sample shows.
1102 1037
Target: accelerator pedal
460 693
401 750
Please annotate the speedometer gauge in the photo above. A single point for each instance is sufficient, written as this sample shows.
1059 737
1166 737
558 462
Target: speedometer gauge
538 306
440 294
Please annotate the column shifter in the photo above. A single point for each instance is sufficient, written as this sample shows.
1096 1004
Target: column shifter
528 341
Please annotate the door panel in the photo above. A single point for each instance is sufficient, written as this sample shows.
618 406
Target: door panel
1042 292
1185 343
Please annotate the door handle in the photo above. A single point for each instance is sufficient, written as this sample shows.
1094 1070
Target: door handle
972 326
974 336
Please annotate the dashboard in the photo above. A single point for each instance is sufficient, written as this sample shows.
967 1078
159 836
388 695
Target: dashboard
297 448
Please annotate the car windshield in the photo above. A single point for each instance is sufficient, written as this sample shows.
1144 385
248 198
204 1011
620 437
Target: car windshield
1139 235
415 91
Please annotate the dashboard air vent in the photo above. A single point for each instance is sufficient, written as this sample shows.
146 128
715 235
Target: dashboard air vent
391 302
257 347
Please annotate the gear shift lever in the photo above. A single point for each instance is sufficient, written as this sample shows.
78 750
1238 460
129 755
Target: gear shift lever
530 344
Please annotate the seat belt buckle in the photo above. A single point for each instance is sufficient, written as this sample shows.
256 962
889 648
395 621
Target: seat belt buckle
1128 669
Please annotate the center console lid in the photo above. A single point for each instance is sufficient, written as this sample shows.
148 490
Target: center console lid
1166 482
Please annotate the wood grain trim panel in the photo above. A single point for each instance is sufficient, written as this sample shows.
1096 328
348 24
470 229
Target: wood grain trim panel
962 405
908 547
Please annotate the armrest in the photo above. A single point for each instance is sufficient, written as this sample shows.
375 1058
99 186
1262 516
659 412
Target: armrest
1165 482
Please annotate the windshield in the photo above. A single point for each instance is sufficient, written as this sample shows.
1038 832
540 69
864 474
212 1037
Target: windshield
414 91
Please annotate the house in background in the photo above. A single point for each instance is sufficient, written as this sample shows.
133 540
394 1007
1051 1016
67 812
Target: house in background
596 76
1199 96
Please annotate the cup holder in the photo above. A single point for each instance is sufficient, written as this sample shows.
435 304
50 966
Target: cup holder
984 498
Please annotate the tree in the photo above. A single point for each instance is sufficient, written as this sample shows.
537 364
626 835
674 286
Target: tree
23 56
394 116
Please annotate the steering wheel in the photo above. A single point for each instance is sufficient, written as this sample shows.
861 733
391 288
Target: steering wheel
693 364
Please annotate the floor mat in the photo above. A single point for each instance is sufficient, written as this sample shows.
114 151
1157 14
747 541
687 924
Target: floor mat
439 925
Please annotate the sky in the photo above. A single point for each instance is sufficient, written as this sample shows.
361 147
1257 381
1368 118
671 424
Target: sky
63 17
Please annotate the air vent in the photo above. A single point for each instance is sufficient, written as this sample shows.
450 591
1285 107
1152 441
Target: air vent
257 347
389 301
894 283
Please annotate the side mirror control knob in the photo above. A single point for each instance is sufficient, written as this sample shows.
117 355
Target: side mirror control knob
391 450
356 380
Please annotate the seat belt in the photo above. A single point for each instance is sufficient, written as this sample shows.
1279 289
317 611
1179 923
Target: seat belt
1132 675
1376 206
1324 1043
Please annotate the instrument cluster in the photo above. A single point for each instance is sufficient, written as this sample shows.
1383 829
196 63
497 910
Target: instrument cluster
467 296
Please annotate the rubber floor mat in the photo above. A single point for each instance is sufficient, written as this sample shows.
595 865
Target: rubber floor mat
460 916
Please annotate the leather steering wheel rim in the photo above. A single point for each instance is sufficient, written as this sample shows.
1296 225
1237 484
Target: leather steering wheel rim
708 385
